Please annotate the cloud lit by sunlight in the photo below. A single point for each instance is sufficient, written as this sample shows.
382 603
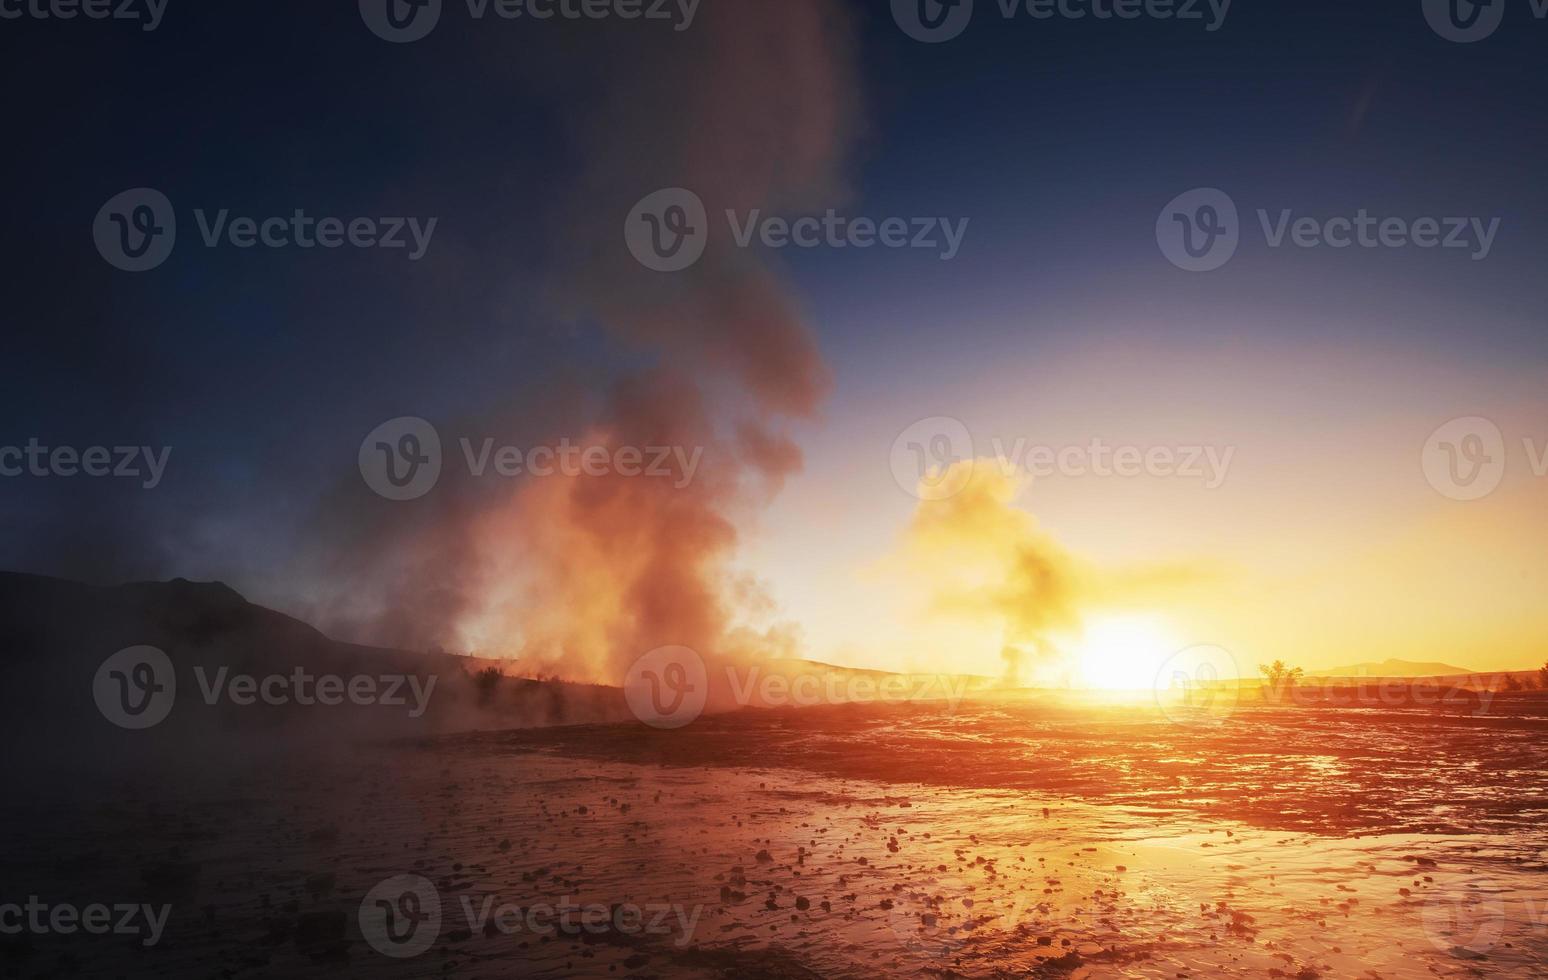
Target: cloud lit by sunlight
998 593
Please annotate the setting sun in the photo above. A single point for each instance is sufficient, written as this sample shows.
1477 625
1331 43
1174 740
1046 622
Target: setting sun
1122 652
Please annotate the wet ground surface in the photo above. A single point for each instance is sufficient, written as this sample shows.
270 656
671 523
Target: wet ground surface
908 841
1321 771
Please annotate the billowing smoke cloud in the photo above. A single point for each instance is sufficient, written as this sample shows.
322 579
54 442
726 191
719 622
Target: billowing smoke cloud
528 322
977 557
578 575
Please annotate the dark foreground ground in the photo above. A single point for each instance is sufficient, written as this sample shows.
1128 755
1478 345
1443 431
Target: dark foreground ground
993 840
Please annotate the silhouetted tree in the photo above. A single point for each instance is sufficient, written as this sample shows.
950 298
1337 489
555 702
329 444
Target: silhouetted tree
1281 676
487 681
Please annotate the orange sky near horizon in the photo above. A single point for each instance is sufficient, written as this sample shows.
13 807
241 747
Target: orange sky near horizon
1325 544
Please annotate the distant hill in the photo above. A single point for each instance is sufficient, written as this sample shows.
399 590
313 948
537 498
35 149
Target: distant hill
60 634
1392 668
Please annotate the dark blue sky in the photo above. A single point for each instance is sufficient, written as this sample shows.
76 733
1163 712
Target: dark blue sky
1060 141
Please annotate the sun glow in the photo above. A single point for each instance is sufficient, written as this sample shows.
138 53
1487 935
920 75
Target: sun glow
1123 653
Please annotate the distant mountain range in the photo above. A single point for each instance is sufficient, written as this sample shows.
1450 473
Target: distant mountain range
1392 668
